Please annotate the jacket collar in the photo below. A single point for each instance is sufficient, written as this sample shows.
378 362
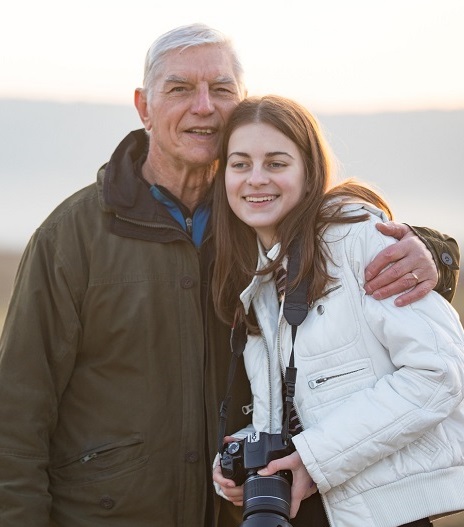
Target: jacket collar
264 258
121 187
124 193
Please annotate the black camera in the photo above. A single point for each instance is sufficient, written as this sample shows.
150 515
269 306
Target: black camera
266 499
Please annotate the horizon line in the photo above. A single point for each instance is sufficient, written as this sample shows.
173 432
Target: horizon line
354 109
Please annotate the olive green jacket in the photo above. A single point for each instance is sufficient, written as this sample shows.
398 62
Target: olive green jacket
111 375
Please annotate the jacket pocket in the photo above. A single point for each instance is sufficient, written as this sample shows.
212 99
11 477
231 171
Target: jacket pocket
329 387
337 377
100 462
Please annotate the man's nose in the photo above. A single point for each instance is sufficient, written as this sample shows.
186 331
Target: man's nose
202 103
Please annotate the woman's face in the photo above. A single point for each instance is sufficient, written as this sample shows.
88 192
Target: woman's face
265 178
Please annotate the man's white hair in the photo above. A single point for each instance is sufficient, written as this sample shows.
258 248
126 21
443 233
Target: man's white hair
184 37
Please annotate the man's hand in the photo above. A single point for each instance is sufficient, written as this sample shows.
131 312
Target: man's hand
302 487
411 267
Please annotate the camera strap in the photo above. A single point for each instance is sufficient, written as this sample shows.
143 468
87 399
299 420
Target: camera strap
238 339
295 311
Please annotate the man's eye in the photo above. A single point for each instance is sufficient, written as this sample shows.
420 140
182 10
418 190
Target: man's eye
177 89
224 90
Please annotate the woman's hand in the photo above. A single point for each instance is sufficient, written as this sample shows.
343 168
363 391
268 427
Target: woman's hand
231 491
302 487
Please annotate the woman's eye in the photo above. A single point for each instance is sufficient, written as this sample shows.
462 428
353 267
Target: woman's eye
238 164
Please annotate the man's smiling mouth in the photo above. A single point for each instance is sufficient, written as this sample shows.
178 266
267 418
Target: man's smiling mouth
201 131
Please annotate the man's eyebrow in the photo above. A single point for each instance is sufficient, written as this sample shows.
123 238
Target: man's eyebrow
175 78
225 80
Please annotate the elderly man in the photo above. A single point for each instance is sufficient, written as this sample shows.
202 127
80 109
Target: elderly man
112 362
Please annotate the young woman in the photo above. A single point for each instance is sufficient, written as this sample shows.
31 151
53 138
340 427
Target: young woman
379 389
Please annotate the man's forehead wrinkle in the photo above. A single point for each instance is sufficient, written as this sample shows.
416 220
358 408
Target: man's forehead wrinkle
220 79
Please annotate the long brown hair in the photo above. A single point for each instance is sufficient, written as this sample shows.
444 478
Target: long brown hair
236 246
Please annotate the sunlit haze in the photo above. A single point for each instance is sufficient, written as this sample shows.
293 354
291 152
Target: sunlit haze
340 58
333 55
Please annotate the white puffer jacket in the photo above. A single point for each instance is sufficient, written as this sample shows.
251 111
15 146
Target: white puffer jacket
379 389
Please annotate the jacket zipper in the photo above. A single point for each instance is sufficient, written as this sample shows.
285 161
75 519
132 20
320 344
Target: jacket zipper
189 225
324 504
315 383
88 457
108 448
268 374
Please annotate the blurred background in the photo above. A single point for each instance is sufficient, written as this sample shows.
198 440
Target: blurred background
383 78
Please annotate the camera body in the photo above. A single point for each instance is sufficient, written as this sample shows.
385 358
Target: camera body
245 457
266 499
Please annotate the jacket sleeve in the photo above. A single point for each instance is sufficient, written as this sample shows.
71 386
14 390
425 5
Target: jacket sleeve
445 252
425 345
37 351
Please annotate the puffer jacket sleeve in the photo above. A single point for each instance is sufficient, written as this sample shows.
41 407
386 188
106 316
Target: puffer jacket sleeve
37 352
425 343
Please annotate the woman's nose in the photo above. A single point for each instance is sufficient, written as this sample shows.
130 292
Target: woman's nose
257 177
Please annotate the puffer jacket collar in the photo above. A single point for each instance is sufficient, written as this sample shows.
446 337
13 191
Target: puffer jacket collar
263 260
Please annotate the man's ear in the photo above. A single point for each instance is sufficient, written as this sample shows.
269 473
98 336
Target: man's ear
140 101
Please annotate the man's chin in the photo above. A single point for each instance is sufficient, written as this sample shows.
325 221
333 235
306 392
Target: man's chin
204 159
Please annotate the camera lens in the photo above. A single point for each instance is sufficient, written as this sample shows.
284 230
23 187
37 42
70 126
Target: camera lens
265 519
267 494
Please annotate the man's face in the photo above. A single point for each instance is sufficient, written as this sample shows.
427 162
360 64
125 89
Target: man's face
189 104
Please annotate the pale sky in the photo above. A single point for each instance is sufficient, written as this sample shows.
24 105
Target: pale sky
333 55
